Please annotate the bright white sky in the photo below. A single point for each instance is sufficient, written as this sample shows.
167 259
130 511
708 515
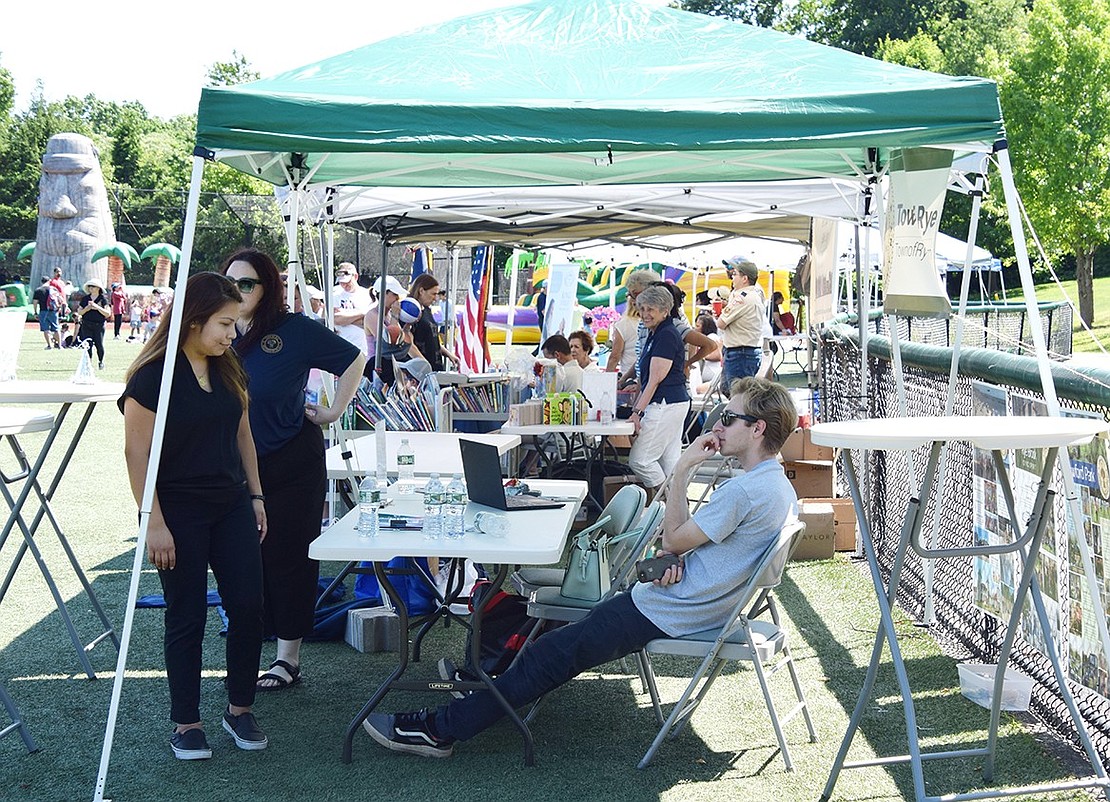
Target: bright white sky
158 53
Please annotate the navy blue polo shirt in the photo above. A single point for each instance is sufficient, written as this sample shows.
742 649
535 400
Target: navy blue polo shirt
666 343
278 365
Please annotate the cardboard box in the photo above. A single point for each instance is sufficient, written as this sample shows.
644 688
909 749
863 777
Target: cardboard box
811 479
844 515
800 447
794 447
372 629
611 485
820 537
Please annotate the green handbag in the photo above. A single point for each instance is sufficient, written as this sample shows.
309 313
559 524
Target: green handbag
587 574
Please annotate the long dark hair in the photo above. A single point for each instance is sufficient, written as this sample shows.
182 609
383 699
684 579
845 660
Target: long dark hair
425 281
205 295
271 309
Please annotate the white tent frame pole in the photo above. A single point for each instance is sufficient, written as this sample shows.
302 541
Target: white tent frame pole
510 315
170 362
447 308
379 335
293 259
928 616
1048 386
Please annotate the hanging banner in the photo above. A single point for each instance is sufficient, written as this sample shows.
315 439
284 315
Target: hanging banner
918 182
562 294
822 271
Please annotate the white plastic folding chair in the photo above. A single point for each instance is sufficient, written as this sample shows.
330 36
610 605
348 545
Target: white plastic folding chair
624 509
741 638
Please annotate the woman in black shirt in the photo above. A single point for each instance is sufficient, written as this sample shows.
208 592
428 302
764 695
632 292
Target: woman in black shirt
425 336
93 309
207 507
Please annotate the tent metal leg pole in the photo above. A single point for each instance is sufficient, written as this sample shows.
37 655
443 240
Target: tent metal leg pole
928 566
173 338
1048 387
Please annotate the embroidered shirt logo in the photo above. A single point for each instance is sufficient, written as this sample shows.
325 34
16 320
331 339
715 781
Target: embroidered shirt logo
271 344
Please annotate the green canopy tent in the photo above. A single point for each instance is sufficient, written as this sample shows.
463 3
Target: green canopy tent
577 120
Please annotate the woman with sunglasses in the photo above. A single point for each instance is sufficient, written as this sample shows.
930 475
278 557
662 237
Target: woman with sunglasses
659 412
425 334
208 508
278 348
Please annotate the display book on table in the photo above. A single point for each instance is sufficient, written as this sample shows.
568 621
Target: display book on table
403 411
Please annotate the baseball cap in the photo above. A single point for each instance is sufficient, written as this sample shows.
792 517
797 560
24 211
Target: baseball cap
743 265
417 368
391 285
344 271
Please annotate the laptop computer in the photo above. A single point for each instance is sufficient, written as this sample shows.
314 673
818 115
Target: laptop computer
482 467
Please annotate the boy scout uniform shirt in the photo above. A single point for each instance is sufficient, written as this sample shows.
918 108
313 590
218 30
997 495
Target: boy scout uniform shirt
741 321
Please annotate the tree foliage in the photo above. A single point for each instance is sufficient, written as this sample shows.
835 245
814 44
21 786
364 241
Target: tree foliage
1056 94
146 163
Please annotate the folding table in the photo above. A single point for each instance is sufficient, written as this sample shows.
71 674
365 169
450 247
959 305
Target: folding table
997 434
18 421
535 537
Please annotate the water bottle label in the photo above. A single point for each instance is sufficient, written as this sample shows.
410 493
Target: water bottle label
405 460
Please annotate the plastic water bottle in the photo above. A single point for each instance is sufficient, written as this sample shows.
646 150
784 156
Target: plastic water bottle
406 468
454 509
369 502
433 508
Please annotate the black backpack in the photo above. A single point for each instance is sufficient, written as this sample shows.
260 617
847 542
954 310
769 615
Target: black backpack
505 628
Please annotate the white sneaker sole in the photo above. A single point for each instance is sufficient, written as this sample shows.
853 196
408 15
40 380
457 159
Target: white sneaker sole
250 746
191 754
408 749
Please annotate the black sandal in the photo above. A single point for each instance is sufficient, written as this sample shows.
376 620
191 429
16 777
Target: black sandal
281 682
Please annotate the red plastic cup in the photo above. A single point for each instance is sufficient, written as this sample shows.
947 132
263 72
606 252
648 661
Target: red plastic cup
718 305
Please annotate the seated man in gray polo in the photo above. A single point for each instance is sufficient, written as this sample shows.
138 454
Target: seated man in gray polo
721 544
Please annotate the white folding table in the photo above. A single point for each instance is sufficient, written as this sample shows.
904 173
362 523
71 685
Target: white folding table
535 537
997 434
22 421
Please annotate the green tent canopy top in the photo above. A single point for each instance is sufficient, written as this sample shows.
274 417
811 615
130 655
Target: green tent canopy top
585 92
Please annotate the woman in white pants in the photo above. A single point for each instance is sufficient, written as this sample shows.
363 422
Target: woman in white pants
659 412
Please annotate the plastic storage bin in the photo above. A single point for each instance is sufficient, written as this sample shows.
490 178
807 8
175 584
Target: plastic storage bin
977 684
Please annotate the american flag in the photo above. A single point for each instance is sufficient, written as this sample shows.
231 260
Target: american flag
421 260
473 350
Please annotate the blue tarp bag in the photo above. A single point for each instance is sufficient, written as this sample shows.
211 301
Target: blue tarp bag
416 592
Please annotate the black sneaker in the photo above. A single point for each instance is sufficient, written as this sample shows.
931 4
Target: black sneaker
245 730
407 732
190 745
448 671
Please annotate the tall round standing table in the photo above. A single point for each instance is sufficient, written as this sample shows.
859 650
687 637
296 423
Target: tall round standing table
997 435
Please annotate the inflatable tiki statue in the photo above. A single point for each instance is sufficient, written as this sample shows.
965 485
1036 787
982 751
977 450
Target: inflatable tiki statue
73 212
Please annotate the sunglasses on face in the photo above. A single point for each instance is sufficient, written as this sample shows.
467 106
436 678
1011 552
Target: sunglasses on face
728 418
247 285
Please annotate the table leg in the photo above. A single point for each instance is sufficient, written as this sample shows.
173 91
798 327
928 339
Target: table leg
17 722
886 596
402 659
476 665
45 510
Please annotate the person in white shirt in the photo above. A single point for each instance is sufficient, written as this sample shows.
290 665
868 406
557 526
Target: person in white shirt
350 304
581 350
568 377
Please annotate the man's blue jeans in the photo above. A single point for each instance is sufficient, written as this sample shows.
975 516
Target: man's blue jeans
611 631
741 362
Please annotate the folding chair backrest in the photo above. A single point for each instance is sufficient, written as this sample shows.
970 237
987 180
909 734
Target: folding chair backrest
777 556
712 417
623 510
624 553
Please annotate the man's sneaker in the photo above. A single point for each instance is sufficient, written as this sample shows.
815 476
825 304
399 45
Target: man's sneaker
448 671
407 732
190 745
245 730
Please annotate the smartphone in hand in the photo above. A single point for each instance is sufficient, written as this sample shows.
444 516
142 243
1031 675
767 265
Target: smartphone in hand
653 568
